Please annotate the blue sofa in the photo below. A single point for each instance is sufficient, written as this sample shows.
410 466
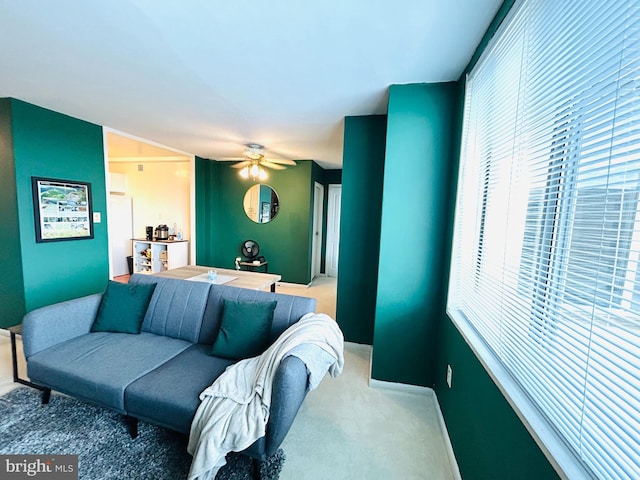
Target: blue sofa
157 375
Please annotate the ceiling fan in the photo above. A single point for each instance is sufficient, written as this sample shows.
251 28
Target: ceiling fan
254 161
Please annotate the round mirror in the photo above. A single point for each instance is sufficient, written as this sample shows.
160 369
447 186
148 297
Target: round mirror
261 203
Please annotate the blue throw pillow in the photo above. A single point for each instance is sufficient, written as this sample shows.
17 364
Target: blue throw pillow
123 307
245 329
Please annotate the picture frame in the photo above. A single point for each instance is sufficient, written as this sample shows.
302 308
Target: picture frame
62 209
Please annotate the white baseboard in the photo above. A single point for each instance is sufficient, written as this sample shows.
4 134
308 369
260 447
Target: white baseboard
358 345
400 387
445 434
429 392
292 285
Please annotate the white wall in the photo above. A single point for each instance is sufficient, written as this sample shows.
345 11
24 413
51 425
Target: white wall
160 194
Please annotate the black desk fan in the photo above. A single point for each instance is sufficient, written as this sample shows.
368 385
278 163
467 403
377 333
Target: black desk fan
251 250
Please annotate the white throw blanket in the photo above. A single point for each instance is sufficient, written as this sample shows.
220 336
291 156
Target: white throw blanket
234 410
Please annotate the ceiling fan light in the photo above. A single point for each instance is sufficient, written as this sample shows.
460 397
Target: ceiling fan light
244 173
254 151
263 174
254 170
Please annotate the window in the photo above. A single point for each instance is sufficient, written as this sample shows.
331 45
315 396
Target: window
546 247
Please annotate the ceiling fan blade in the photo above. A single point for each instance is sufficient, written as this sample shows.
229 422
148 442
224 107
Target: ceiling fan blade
275 166
282 161
241 164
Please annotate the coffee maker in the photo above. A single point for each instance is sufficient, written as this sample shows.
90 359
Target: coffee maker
149 231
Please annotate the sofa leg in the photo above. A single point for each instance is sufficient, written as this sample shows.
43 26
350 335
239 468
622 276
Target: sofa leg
255 469
46 395
132 425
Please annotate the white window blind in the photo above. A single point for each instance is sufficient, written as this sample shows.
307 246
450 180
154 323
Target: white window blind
547 227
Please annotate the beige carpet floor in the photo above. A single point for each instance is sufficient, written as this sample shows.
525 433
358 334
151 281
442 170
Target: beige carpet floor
323 289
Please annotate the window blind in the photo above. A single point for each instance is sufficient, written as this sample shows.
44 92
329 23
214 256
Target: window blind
547 227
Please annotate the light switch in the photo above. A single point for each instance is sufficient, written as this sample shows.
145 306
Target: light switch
96 217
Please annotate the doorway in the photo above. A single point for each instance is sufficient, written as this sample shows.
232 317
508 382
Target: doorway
120 226
316 246
160 186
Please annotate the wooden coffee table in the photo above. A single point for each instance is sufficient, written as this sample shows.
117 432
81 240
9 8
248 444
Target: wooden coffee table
244 279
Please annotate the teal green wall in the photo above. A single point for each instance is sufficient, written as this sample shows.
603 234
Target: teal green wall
49 144
207 210
362 175
222 225
333 177
11 283
285 241
415 207
489 440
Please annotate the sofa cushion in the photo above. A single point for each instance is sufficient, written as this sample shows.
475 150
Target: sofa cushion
288 310
245 329
176 307
169 395
123 307
98 366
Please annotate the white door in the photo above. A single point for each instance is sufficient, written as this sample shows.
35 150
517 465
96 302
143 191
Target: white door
120 233
333 229
316 247
252 203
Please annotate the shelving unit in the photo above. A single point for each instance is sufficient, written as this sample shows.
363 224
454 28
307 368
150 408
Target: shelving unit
158 256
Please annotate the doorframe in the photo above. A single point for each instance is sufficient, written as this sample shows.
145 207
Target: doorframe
316 229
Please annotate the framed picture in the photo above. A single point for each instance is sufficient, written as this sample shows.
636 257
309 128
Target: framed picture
62 209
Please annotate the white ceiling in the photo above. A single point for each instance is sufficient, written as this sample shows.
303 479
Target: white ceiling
206 76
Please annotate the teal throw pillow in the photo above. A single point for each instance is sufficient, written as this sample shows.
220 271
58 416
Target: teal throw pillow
245 329
123 307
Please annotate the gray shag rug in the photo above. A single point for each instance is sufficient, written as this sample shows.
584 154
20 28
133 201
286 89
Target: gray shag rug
101 440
